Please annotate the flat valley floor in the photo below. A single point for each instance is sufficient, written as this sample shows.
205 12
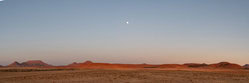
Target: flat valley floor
125 76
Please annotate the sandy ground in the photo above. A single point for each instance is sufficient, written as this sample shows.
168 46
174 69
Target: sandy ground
126 76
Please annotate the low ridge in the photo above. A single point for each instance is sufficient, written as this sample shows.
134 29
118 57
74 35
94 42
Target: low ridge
195 65
90 64
226 65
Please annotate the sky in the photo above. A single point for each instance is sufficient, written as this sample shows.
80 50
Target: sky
60 32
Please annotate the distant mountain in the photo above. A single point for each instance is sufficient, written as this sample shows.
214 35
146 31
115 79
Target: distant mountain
246 66
35 63
74 63
31 63
79 64
172 66
226 65
15 64
88 62
196 65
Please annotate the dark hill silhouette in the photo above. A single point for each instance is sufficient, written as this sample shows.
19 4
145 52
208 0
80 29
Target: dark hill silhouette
88 62
15 64
31 63
35 63
195 65
246 66
172 66
74 63
78 64
226 65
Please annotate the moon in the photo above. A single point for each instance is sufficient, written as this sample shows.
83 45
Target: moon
1 0
127 22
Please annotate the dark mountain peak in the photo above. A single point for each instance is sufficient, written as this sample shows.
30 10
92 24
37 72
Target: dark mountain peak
15 64
246 66
226 65
88 62
35 63
73 64
30 63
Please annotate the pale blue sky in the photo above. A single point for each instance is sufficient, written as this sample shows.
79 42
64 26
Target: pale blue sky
160 31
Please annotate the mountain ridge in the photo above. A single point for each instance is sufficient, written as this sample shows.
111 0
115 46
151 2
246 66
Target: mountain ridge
90 64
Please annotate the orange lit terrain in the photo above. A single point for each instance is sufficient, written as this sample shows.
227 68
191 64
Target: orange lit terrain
89 72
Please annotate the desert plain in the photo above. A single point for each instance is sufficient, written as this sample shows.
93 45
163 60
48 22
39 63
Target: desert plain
89 72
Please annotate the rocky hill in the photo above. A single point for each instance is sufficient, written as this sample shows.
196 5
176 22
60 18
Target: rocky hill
31 63
15 64
35 63
226 65
246 66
